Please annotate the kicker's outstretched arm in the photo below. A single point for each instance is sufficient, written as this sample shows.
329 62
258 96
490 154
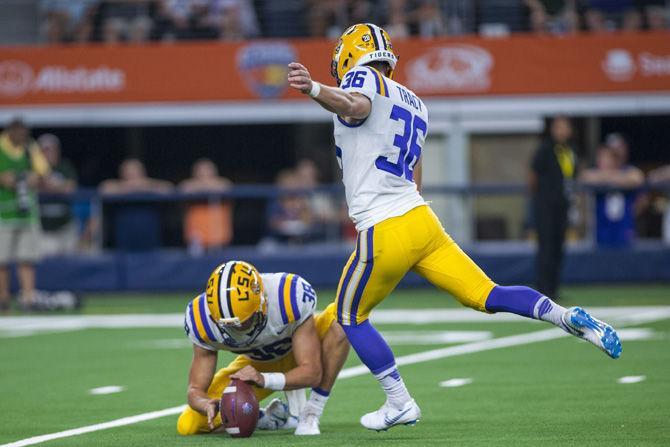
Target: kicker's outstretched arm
333 99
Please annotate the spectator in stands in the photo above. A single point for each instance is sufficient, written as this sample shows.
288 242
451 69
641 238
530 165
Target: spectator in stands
290 216
322 207
552 172
656 14
207 224
22 167
327 18
286 18
415 17
553 16
609 15
200 25
172 20
619 146
125 20
428 18
397 25
500 17
235 19
67 20
657 177
137 225
615 214
133 179
59 229
632 21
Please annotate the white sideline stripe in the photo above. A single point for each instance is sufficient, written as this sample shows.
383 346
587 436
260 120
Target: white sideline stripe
31 325
503 342
97 427
642 333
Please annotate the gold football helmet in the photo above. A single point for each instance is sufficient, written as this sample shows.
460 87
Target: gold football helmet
360 44
236 301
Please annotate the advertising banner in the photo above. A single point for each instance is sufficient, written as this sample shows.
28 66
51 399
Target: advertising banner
256 70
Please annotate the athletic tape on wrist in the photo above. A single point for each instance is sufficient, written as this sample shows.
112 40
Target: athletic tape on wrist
316 89
274 381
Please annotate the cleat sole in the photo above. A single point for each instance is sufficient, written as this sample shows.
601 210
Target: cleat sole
611 344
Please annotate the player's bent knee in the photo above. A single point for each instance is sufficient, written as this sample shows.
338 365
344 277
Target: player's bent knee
338 337
191 422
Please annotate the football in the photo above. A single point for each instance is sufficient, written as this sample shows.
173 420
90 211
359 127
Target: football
239 409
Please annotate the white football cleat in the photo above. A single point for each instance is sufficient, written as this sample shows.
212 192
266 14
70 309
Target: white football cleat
580 323
291 423
274 417
308 423
388 416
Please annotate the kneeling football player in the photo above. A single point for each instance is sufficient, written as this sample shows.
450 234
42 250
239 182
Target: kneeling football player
268 320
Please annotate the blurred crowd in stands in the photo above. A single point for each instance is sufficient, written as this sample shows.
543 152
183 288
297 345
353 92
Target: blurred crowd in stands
297 211
136 21
58 224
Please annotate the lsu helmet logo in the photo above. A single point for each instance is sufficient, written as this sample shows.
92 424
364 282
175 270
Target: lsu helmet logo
263 67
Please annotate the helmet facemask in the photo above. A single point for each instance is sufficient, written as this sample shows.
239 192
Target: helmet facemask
243 333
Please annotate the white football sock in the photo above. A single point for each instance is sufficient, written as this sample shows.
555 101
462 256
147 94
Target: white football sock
547 310
317 402
394 387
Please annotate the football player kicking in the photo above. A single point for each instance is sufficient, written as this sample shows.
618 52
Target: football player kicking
269 321
380 128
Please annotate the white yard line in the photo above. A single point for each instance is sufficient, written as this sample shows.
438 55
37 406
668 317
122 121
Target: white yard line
644 316
468 348
97 427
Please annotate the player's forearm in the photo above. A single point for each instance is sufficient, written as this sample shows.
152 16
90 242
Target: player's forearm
337 101
198 400
303 376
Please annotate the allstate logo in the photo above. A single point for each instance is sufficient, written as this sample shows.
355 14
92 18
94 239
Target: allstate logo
16 78
247 408
263 67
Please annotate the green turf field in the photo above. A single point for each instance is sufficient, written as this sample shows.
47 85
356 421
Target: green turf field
559 391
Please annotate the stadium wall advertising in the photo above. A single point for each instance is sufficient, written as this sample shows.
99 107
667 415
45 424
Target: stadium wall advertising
256 70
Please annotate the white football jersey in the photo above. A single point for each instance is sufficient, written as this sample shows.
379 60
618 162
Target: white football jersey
291 300
378 155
